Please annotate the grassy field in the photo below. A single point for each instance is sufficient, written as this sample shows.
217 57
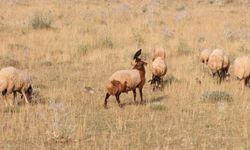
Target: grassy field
69 45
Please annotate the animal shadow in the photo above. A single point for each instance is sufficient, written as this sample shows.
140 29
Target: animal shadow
154 100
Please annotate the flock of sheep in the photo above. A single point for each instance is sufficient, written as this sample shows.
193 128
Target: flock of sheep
219 63
129 80
13 80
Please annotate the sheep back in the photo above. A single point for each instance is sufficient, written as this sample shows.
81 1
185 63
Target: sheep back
242 67
17 79
123 81
215 61
159 67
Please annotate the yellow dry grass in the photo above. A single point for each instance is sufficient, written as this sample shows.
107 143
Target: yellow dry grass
89 40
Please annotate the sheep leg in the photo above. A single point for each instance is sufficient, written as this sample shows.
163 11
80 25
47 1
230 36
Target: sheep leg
25 97
140 89
118 99
4 92
106 100
134 93
14 98
243 83
6 100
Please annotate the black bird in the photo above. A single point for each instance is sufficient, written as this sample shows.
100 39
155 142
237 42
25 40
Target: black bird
137 54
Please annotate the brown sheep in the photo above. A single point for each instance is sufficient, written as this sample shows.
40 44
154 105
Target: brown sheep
123 81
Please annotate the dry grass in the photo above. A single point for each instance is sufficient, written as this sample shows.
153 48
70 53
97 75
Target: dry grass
87 41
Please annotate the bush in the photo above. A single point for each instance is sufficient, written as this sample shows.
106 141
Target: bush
157 107
41 21
183 48
83 48
107 42
216 96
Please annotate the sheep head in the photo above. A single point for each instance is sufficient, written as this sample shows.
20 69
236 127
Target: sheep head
29 93
138 63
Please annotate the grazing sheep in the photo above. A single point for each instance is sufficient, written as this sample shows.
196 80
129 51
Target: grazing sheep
126 80
13 80
204 55
242 69
159 68
218 63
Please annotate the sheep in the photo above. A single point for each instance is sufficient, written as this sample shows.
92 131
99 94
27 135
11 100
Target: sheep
242 69
204 55
219 63
159 67
13 80
123 81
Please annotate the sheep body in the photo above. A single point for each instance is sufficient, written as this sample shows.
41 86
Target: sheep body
130 77
204 55
159 67
14 80
215 61
126 80
242 69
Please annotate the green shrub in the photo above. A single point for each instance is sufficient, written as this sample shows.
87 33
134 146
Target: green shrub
83 48
183 48
41 21
107 42
157 107
216 96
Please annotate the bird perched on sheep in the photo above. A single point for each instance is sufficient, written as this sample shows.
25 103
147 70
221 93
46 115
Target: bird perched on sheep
159 68
204 56
242 69
13 80
123 81
219 63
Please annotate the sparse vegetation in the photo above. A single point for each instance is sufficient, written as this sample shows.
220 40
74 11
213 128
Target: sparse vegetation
68 114
41 20
216 96
183 48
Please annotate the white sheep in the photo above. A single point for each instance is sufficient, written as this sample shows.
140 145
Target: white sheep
204 55
13 80
218 63
159 67
242 69
126 80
